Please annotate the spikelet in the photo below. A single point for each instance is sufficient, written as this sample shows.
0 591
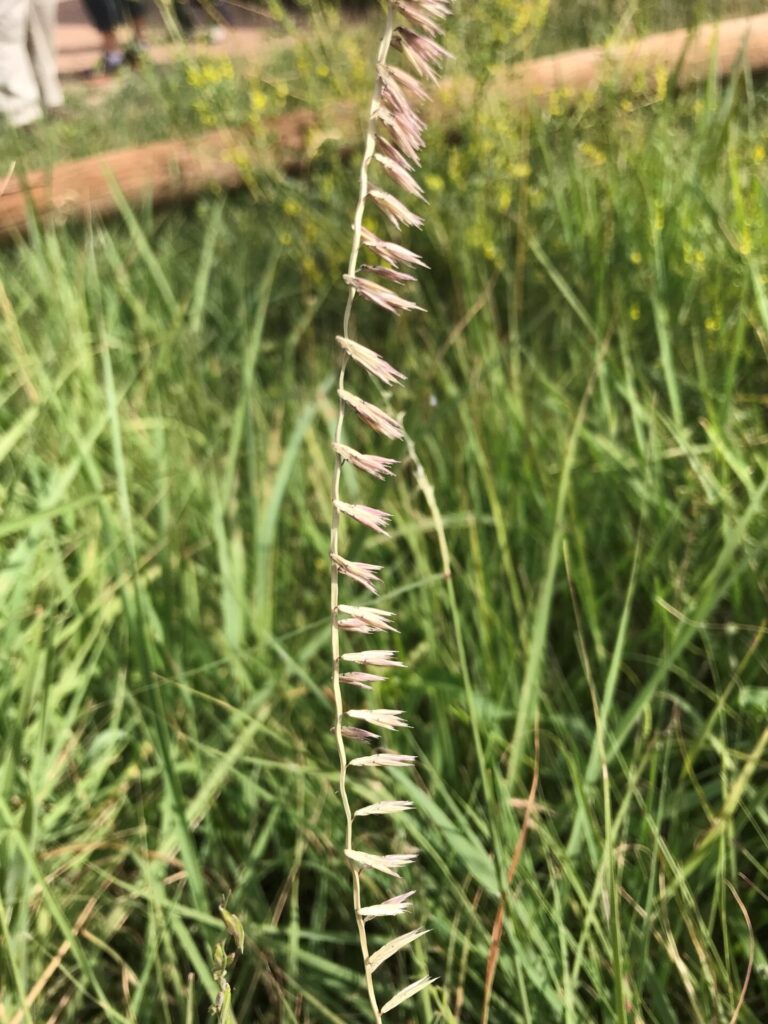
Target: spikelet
377 419
384 718
384 659
371 361
366 620
398 213
361 679
355 732
424 55
384 297
384 807
389 274
401 88
387 864
401 175
373 518
388 149
364 573
386 759
426 15
391 251
407 992
389 908
390 948
375 465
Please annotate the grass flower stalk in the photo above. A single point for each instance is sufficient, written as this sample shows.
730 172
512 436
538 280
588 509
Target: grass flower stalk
394 139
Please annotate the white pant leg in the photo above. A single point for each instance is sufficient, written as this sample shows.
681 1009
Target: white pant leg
42 45
19 92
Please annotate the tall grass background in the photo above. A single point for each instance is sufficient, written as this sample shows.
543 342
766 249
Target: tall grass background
589 405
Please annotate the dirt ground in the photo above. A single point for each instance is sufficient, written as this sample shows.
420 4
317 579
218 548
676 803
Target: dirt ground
79 44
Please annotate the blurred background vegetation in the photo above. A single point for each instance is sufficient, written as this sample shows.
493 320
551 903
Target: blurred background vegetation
588 397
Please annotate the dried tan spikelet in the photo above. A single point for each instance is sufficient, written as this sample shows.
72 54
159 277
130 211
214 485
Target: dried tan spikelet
425 55
426 15
384 760
391 251
388 950
389 274
406 81
384 659
384 807
403 87
397 212
374 417
390 149
400 175
384 718
376 465
387 864
406 993
361 679
354 732
375 619
364 573
371 361
384 297
389 908
374 518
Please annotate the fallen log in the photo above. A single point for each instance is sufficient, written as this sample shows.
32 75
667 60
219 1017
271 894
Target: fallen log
161 172
690 54
175 170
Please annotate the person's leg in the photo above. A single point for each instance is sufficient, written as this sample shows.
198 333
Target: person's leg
42 44
183 14
137 11
215 11
105 16
19 92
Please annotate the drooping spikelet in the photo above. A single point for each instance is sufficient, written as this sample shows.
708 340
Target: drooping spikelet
377 465
374 518
391 251
371 361
384 297
425 55
394 142
377 419
364 573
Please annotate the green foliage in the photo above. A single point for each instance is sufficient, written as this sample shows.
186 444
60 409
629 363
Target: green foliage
587 396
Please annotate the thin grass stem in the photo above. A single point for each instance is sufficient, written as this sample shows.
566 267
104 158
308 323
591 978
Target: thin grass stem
370 147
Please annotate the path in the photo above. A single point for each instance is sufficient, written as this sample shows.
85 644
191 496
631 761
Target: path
79 44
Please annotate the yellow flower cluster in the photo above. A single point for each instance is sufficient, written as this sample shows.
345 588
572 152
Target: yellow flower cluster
213 82
201 74
501 30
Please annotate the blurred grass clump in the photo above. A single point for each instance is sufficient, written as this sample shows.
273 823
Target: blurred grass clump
587 394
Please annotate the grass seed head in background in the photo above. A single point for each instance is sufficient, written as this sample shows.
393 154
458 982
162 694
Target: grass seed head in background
394 140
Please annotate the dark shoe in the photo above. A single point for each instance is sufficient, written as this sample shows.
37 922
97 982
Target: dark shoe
112 62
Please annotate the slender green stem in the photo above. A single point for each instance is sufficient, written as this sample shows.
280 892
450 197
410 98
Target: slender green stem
425 486
370 147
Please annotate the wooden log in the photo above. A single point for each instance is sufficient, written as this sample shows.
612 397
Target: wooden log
176 170
168 171
160 171
691 55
